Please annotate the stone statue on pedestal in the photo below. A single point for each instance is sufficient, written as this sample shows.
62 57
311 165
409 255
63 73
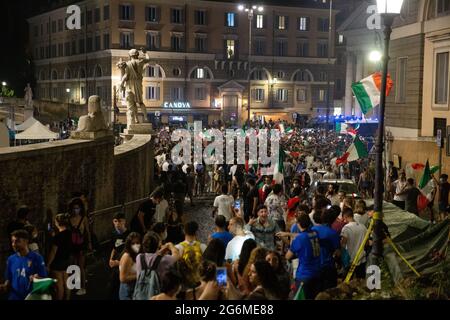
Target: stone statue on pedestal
94 120
131 80
28 97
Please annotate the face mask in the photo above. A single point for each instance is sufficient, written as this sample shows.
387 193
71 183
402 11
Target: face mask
136 248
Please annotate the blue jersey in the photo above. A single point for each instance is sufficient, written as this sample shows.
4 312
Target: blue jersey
224 236
306 247
329 242
295 228
18 272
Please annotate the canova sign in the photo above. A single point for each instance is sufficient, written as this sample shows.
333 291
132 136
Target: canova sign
177 105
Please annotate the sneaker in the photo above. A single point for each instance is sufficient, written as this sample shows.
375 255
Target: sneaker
81 292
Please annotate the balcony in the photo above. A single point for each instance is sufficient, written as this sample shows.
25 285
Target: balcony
127 24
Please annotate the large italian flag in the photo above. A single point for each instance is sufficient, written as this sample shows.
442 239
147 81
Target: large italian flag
367 91
426 186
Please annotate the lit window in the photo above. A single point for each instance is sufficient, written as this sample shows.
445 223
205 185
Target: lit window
303 23
441 85
200 73
231 19
231 49
281 22
258 95
282 95
259 21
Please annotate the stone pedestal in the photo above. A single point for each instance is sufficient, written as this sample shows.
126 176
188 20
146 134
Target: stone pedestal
78 135
27 113
139 128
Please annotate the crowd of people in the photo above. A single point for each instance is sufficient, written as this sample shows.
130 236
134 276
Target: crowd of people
272 239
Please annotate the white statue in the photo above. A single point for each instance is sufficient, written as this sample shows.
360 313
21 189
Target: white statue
28 96
132 110
94 120
132 76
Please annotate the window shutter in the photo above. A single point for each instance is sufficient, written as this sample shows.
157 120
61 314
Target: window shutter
147 13
158 14
132 39
225 19
206 17
158 93
131 12
264 21
253 94
286 22
276 22
236 20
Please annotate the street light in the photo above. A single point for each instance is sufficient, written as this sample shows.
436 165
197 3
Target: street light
375 56
68 105
250 12
4 83
388 9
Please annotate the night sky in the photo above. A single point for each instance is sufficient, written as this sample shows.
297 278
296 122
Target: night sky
16 68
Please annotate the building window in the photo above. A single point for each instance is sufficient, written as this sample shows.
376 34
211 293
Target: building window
200 93
200 17
442 83
259 75
322 95
231 49
338 84
89 17
439 124
126 12
176 43
67 49
322 50
281 48
60 25
89 44
53 26
280 75
230 19
55 93
153 72
341 39
98 45
97 15
151 14
282 95
323 24
303 23
175 16
126 40
259 21
152 41
400 83
301 95
200 44
282 22
106 12
53 50
200 73
258 95
81 46
176 94
176 72
260 47
323 76
106 41
303 49
153 93
36 31
443 6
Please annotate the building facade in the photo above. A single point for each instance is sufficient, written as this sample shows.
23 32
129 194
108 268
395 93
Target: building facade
199 54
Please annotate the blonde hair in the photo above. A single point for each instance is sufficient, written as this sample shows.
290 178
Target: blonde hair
257 254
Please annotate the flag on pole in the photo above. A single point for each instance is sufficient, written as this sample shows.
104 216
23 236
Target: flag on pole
426 187
367 91
344 128
357 150
278 172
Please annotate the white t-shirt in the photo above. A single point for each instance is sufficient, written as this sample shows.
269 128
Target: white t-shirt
355 233
234 247
362 219
223 203
181 248
184 168
160 210
399 187
233 170
165 166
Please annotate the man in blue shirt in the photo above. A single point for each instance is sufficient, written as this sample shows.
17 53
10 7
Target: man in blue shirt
306 248
329 243
22 267
221 233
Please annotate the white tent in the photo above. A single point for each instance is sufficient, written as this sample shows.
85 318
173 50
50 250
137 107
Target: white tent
25 125
37 132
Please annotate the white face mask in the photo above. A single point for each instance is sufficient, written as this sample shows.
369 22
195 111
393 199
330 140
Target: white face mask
136 247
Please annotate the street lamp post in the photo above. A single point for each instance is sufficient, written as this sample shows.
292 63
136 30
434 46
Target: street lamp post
330 45
68 103
388 9
250 11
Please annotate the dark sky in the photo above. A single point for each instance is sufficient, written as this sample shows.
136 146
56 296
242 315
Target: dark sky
16 69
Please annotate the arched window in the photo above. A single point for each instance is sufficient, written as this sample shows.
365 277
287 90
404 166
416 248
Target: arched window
303 76
54 75
67 74
153 72
82 73
259 74
42 75
98 72
201 73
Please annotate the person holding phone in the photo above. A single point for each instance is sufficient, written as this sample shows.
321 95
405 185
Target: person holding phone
212 279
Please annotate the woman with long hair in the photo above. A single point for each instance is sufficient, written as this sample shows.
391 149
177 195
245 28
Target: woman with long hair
127 266
237 269
81 238
275 260
215 252
258 254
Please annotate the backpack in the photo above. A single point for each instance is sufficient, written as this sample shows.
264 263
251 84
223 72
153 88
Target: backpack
77 236
192 251
148 283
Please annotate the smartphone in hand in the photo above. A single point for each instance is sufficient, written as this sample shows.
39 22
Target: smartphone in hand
237 204
221 277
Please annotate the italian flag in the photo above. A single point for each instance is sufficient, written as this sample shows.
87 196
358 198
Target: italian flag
367 91
357 150
278 175
426 186
343 128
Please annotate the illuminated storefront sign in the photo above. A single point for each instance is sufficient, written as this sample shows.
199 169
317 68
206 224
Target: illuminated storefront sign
177 105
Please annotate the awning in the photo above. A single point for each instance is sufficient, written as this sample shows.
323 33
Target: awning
25 125
37 132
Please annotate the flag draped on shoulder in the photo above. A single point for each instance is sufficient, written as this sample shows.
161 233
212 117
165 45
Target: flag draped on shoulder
367 91
426 187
